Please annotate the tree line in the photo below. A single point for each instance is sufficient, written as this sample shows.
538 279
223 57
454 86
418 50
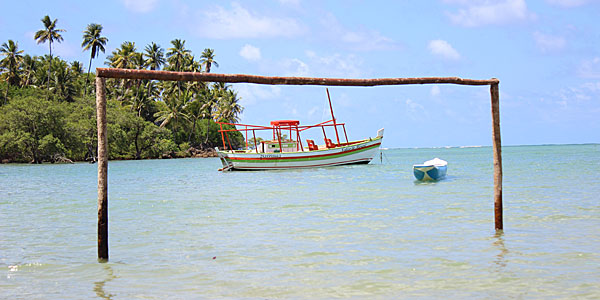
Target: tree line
47 111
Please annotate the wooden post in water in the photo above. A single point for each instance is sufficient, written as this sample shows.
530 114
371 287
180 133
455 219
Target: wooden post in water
497 149
102 170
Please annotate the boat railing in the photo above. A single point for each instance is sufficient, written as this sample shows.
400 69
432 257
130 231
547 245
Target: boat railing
278 129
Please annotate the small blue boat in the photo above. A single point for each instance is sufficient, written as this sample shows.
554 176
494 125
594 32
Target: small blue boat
431 170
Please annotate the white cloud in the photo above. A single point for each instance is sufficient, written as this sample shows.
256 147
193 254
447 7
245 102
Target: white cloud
290 2
590 68
568 3
443 49
250 53
239 22
295 67
575 104
483 12
361 39
140 6
337 65
313 65
462 2
549 43
578 95
415 110
592 87
252 93
367 40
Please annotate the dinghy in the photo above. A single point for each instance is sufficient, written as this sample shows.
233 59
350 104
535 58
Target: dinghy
431 170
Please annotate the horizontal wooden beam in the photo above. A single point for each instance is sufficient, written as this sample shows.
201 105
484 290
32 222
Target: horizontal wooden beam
243 78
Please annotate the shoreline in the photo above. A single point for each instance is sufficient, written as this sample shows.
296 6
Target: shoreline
190 153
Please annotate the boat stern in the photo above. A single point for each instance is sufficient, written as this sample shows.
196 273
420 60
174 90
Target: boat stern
429 172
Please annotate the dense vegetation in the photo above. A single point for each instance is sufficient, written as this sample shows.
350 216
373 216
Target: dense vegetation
47 105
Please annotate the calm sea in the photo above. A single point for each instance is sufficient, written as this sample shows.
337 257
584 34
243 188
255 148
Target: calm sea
179 229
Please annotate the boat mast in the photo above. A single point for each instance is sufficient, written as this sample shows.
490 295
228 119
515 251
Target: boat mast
333 118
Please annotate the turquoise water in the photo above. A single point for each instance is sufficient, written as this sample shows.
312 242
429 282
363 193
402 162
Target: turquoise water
179 229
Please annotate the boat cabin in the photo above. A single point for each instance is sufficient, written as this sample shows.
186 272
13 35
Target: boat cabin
282 142
273 146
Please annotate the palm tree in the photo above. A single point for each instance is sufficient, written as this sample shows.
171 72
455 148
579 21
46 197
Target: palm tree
40 74
209 99
63 81
208 59
49 34
192 65
174 110
177 55
168 88
77 67
147 109
30 65
228 107
123 58
11 62
198 108
92 40
155 91
139 63
220 86
155 56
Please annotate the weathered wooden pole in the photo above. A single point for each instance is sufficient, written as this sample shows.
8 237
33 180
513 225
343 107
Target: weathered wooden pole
497 149
102 170
244 78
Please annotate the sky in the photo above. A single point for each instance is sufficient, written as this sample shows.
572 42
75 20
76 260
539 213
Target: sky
545 53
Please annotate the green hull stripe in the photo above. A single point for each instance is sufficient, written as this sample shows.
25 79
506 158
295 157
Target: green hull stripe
301 159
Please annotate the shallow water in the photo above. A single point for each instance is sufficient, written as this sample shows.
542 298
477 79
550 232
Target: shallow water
181 229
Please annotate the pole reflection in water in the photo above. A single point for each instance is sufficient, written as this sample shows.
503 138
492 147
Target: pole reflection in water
500 260
99 285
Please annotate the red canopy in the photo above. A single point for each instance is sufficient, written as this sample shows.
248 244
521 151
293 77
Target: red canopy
285 123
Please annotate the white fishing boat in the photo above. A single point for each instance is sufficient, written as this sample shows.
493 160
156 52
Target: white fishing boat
431 170
285 151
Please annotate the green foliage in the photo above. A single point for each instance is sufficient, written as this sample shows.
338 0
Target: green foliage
47 105
132 137
11 145
28 91
37 125
10 63
251 142
183 147
81 124
157 142
51 148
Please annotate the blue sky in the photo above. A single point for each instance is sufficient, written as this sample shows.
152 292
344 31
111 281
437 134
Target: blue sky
546 54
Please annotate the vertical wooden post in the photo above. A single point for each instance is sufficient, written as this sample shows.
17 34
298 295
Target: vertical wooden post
102 170
497 149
